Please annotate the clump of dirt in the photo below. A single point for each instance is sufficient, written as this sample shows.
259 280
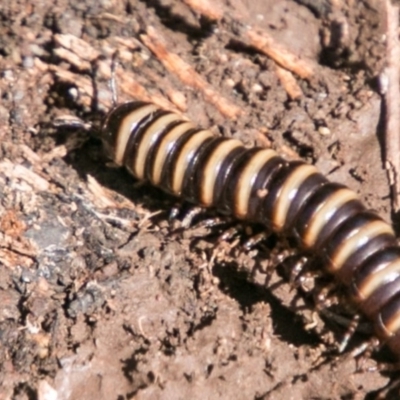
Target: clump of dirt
102 296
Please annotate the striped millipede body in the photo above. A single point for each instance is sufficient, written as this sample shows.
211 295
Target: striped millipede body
289 197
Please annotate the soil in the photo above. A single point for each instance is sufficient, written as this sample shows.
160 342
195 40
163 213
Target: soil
102 295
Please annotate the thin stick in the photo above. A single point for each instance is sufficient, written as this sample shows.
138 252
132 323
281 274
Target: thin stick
210 9
391 93
113 81
289 83
186 73
260 40
77 54
264 43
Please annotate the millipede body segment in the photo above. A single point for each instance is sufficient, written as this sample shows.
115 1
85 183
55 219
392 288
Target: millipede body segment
258 185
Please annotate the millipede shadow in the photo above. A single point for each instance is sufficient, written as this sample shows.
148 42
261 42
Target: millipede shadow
285 322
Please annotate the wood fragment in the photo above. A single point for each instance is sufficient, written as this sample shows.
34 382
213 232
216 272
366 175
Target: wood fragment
29 154
46 391
289 153
41 66
209 9
289 83
76 52
130 43
16 247
112 17
258 39
20 172
186 73
263 42
178 99
106 198
134 90
102 197
11 258
72 59
82 49
392 103
57 152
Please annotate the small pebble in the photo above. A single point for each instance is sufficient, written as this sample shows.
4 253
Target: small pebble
324 131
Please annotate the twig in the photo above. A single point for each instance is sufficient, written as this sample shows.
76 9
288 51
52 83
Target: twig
289 83
81 54
207 8
263 42
16 171
391 93
186 73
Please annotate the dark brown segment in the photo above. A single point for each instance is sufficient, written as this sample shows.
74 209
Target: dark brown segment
225 175
364 260
263 184
306 188
155 144
306 213
192 180
339 237
305 191
274 186
380 297
388 311
341 215
112 122
226 201
135 137
170 161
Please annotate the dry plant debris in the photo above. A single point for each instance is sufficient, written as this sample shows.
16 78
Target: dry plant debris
391 92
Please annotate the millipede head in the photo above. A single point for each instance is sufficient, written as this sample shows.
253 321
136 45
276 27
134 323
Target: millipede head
116 128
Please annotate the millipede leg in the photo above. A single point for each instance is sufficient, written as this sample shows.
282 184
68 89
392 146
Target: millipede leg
254 240
113 81
187 215
229 234
213 222
323 297
190 215
349 333
174 212
297 270
366 348
71 122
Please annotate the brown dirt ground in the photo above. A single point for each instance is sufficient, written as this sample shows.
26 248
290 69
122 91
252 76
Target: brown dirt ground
101 297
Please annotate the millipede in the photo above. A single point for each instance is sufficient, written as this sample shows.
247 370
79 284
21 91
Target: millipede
291 198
